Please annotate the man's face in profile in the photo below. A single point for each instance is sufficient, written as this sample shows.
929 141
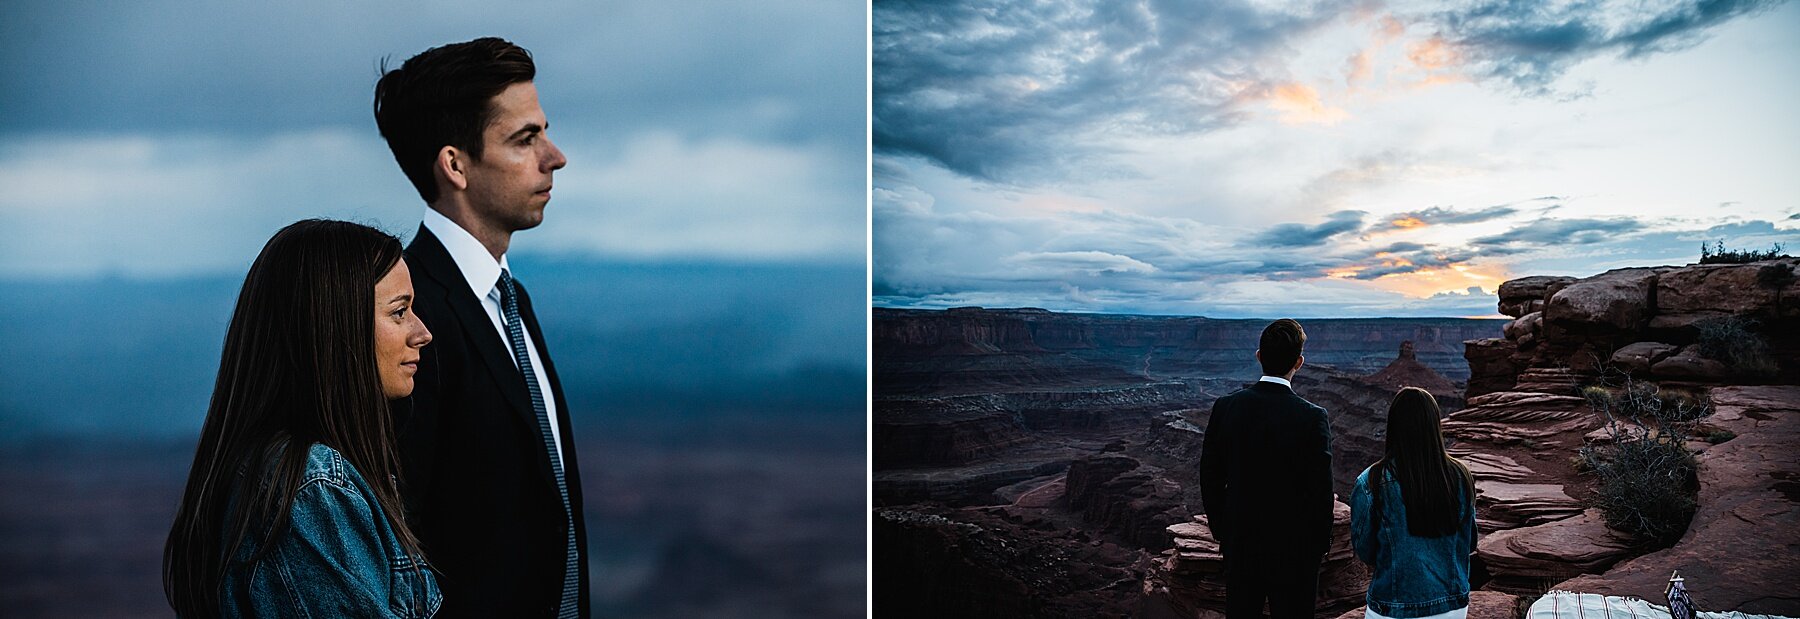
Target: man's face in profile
510 184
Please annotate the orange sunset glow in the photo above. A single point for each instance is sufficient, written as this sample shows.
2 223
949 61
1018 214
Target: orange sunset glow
1369 159
1300 104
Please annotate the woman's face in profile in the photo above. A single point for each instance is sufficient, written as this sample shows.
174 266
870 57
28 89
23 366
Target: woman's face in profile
398 332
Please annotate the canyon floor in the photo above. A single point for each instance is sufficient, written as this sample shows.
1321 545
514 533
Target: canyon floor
1034 464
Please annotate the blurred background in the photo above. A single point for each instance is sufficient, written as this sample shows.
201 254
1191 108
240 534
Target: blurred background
700 273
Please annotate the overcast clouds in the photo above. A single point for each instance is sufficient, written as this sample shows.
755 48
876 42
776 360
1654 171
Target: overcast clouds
1318 159
168 138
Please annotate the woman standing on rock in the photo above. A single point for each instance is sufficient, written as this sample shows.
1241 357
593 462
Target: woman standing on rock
1412 518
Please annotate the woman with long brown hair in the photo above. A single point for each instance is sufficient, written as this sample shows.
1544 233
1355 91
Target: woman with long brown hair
292 505
1412 517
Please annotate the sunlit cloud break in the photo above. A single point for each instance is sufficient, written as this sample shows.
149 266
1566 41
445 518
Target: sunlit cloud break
1335 158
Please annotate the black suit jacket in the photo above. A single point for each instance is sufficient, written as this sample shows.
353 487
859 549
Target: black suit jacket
1265 472
477 478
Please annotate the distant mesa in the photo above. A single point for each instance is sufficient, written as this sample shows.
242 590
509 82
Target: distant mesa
1407 371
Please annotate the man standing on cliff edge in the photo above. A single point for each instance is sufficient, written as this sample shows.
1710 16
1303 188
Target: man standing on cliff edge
490 476
1265 480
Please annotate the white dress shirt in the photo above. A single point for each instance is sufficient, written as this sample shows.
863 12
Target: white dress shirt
483 275
1267 379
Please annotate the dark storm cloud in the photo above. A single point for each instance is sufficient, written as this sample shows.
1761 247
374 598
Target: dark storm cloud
1438 215
1037 91
164 138
1302 235
1529 45
258 68
996 90
1402 258
1546 232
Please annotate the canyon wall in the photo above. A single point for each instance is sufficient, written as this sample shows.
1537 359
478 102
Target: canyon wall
1725 334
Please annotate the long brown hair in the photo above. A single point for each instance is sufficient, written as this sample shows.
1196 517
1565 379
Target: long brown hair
1430 480
298 368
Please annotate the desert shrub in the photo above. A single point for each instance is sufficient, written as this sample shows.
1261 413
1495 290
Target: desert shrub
1646 486
1733 341
1719 254
1646 474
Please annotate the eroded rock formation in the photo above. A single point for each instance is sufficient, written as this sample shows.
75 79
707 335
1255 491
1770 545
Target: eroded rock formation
1523 558
1526 421
1406 371
1739 553
1643 320
1188 580
1121 495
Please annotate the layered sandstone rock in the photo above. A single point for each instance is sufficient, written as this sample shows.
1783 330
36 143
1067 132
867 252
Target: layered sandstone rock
976 350
1173 435
1739 553
1510 417
1689 364
918 431
936 562
1522 296
1501 505
1640 320
1492 367
1524 424
1617 301
1495 467
1558 381
1189 581
1691 294
1134 500
1638 357
941 438
1519 559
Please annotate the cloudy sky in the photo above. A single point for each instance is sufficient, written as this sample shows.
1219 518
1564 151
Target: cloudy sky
1361 158
165 139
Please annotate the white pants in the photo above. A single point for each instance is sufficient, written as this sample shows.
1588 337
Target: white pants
1460 613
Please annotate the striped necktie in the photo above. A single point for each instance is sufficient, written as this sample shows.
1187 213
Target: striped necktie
515 331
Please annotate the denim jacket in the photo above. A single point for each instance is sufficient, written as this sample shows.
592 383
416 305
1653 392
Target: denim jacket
1413 576
338 558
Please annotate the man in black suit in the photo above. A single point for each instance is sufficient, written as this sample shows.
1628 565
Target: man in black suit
491 480
1265 478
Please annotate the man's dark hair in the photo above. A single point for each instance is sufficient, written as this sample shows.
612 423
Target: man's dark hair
1280 346
444 97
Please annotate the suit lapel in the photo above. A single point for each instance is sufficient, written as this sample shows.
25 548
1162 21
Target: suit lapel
436 262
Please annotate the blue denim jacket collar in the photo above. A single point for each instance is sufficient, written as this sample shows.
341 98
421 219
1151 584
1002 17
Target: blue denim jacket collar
339 556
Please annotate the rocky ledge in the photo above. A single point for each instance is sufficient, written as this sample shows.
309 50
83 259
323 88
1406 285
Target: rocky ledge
1644 320
1189 581
1740 552
1526 420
